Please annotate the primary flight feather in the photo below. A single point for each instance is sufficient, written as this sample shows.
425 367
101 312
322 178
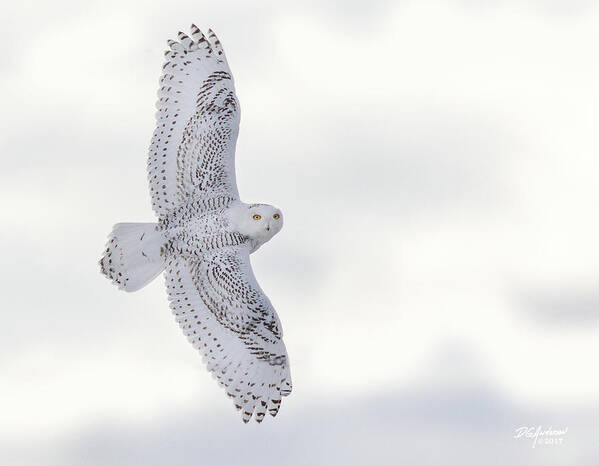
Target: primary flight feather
205 234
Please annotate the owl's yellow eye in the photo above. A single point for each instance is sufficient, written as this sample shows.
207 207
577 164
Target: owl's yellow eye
257 217
276 216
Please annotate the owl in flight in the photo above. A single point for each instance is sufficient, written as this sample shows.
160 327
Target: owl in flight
205 234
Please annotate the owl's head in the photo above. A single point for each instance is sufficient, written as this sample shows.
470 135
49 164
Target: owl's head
260 222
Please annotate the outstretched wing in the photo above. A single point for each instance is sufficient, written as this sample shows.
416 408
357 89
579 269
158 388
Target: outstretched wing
227 317
192 153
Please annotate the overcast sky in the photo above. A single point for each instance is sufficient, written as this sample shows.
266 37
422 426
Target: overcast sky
437 276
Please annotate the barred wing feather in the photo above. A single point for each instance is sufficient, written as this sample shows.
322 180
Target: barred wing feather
227 317
192 153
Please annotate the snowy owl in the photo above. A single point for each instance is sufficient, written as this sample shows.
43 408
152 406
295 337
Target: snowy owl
205 234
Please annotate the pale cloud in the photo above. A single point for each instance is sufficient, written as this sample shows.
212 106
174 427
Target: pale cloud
466 423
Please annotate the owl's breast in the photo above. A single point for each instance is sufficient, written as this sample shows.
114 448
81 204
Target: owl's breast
201 234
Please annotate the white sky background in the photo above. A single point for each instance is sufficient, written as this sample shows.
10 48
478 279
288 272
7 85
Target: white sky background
437 276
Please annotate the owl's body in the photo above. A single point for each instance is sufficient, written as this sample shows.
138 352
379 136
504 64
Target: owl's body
199 227
205 234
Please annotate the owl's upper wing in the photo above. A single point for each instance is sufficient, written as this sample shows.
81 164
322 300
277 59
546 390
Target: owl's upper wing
193 147
228 318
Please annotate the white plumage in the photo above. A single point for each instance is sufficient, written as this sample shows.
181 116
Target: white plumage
205 234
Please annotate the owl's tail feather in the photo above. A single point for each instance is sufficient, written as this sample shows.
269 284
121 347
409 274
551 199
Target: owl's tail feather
132 256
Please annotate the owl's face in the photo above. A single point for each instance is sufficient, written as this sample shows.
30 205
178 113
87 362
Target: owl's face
260 222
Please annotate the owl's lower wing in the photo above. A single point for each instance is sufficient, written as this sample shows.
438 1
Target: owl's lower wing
192 153
226 316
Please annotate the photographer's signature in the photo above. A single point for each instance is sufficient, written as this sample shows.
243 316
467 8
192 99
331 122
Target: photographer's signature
541 436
